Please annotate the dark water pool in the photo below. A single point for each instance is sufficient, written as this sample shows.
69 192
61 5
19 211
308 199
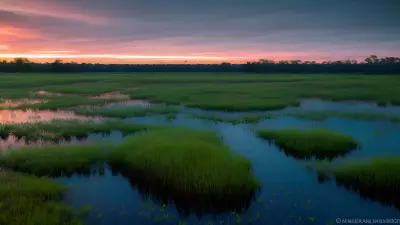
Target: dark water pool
290 193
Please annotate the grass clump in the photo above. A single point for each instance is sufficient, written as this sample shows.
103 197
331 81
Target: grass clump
376 178
309 143
191 168
126 112
325 114
62 102
233 120
27 200
55 160
57 130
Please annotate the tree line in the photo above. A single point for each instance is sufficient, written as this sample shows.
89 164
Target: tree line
372 64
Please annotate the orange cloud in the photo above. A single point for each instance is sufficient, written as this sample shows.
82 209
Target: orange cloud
3 47
6 30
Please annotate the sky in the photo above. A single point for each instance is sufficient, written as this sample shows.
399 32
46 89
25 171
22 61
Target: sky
203 31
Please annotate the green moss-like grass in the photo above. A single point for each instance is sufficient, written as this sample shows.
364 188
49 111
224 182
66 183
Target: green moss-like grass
233 120
222 91
61 102
126 112
57 130
193 168
26 200
55 160
325 114
376 178
309 143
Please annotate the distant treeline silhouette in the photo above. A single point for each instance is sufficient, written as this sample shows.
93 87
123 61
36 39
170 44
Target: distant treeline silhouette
372 64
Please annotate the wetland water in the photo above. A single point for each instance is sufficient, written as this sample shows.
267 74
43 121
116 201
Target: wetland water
290 193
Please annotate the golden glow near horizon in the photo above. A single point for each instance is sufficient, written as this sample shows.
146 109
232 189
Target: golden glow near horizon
52 55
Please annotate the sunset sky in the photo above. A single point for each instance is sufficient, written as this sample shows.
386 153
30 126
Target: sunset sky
203 31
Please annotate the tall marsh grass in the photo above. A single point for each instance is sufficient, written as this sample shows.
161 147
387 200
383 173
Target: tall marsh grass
376 178
233 120
56 160
57 130
28 200
189 167
325 114
309 143
126 112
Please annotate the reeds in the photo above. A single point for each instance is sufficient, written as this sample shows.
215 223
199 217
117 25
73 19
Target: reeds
325 114
375 178
28 200
309 143
127 112
57 130
189 167
233 120
56 160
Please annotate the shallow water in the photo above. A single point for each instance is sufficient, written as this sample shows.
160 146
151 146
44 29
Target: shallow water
12 142
290 193
31 116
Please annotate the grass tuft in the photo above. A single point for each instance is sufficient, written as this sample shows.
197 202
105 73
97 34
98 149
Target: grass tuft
309 143
325 114
233 120
191 168
126 112
376 178
55 160
27 200
57 130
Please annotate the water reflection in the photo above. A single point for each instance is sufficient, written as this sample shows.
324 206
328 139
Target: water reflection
31 116
186 204
387 196
18 102
11 142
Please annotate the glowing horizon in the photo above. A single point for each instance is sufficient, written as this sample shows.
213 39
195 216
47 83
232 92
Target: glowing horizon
124 31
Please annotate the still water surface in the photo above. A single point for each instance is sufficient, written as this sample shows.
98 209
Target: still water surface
290 193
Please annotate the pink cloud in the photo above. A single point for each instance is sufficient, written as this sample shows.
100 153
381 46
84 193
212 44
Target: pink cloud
56 9
15 32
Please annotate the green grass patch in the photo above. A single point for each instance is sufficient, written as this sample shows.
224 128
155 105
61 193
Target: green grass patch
376 178
222 91
57 130
191 168
27 200
56 160
127 112
275 93
233 120
310 143
62 102
325 114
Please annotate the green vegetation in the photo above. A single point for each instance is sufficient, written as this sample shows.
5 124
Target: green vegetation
27 200
325 114
233 120
189 166
308 143
222 91
170 116
57 130
376 178
126 112
55 160
61 102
